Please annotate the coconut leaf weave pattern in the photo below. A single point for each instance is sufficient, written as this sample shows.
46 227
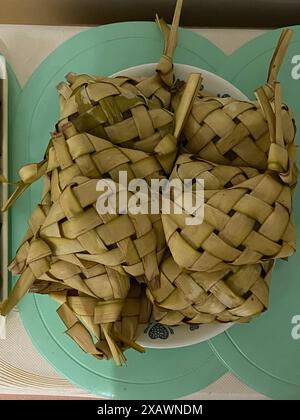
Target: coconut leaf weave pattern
247 218
243 133
236 294
231 132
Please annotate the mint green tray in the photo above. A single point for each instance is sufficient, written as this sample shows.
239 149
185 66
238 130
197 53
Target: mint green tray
104 50
263 354
266 353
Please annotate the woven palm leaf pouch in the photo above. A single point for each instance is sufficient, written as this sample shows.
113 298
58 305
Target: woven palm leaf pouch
112 272
241 133
95 266
220 270
128 112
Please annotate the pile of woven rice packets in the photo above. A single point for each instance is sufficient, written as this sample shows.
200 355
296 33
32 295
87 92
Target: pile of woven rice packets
113 272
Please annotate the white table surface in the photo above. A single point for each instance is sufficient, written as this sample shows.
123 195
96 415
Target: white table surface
22 370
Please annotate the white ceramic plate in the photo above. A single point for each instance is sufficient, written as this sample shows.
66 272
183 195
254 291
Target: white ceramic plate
157 335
